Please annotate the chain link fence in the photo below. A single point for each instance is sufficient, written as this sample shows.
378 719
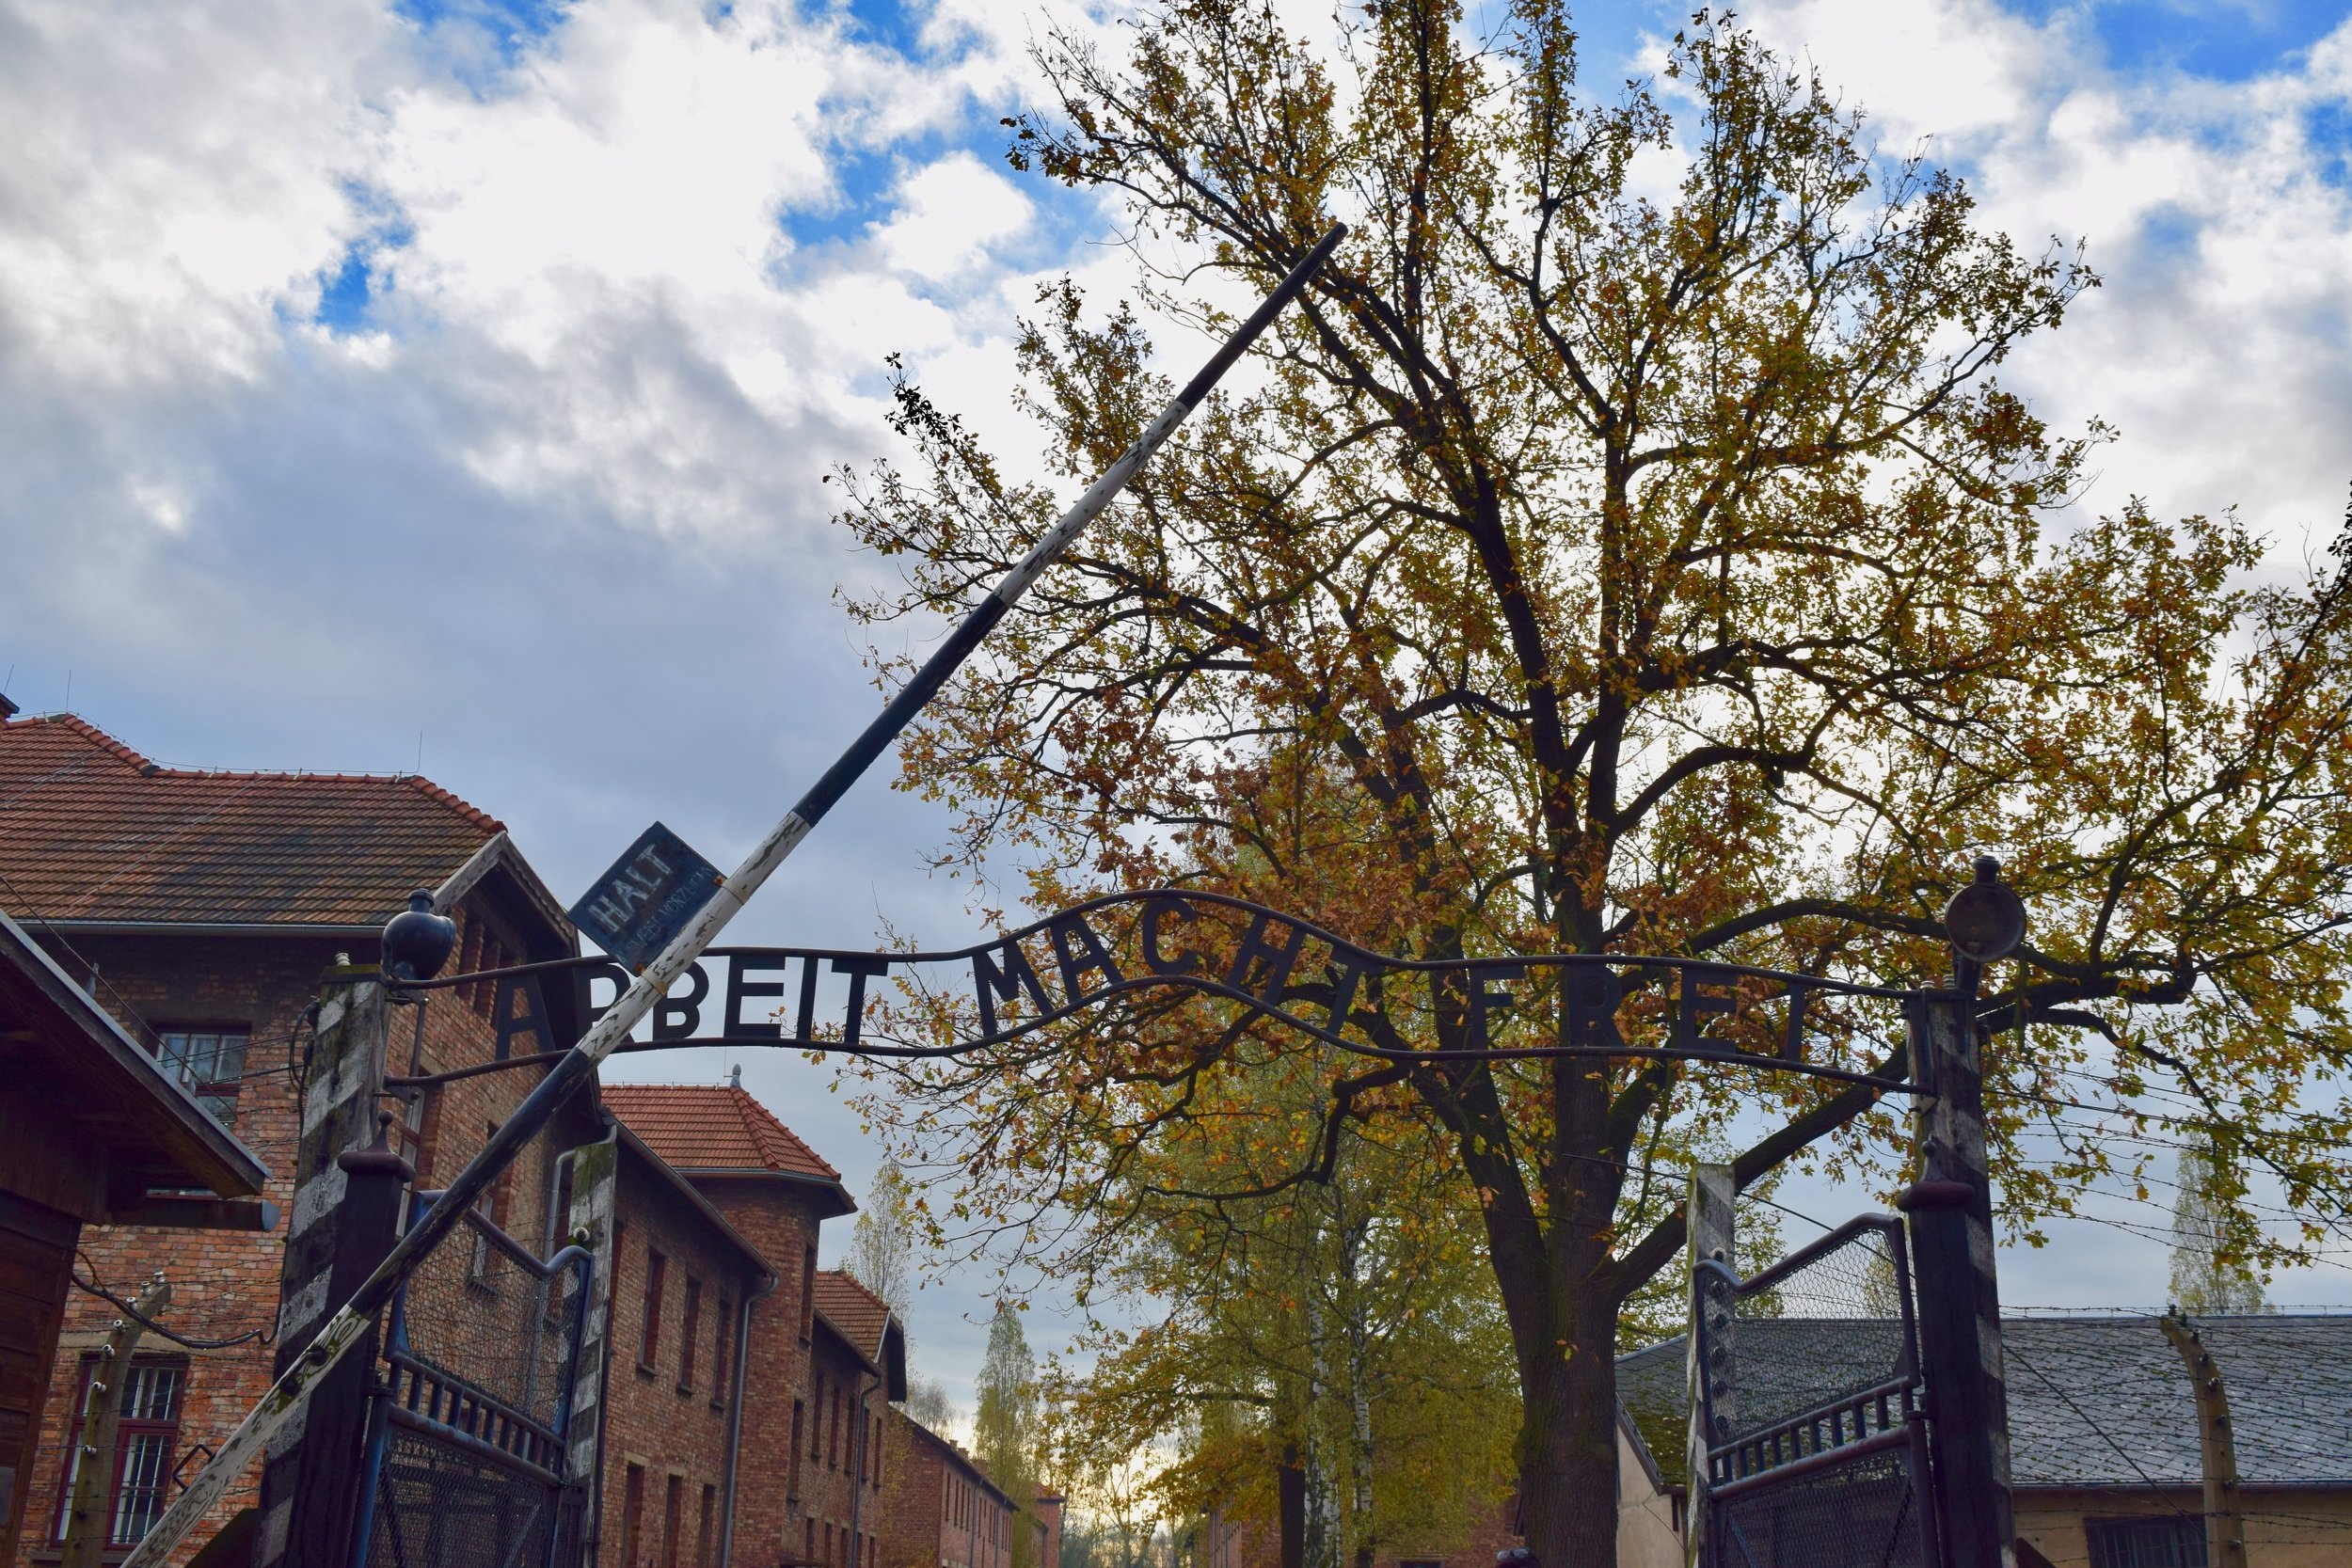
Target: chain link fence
465 1441
1811 1393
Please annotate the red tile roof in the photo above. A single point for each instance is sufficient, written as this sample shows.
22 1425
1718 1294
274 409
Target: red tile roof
860 1314
90 830
706 1128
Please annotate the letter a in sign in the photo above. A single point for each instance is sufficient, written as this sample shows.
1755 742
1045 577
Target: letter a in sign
645 898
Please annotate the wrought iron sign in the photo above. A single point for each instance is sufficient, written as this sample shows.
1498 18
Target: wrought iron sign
1278 966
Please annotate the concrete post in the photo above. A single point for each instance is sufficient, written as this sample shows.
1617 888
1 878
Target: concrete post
336 1233
1950 1210
2225 1528
90 1524
1709 1218
595 1174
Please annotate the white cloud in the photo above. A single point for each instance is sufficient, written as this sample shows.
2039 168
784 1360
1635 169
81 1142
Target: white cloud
2221 346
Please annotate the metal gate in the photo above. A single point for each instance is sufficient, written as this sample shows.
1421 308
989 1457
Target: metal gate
1811 1396
466 1421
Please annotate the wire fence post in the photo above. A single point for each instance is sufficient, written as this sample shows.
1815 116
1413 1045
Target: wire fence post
595 1173
344 1220
1950 1210
1713 1238
90 1523
2217 1449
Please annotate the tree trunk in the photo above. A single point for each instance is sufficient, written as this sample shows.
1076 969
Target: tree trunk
1568 1444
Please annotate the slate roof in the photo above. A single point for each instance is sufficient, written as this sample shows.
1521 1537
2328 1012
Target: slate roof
92 831
717 1129
2098 1401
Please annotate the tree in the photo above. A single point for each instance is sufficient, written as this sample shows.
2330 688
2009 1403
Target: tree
2211 1232
1005 1422
1345 1329
927 1400
882 1244
1628 548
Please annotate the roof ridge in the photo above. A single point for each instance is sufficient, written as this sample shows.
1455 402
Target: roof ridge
440 794
767 1128
95 735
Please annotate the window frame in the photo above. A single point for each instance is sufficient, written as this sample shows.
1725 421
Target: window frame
689 1330
212 1087
2116 1540
649 1330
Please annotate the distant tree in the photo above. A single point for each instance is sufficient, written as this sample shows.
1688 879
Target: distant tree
927 1400
1005 1423
882 1244
2212 1238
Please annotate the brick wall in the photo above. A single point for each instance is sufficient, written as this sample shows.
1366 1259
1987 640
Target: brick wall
839 1497
941 1510
780 1221
667 1403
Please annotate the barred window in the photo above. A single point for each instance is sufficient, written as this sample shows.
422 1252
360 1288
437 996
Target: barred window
147 1439
2162 1541
209 1062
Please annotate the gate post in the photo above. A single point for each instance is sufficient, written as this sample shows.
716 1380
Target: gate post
1950 1210
1708 1220
595 1173
344 1218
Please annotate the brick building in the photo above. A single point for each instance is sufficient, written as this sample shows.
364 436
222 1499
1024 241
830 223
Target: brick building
775 1192
942 1509
738 1402
202 910
859 1367
682 1280
92 1129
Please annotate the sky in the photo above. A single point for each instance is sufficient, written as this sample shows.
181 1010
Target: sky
448 384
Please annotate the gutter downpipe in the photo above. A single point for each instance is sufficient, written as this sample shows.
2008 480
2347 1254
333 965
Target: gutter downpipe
735 1416
857 1477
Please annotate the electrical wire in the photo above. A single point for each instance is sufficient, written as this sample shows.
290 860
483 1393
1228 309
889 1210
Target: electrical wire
261 1334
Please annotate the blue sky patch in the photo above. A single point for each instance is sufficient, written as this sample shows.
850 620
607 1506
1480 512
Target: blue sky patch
2226 40
349 289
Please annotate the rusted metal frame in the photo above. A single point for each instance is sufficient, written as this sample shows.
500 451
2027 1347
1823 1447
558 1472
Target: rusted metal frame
289 1393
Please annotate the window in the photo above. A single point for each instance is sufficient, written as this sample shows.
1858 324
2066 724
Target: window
702 1535
800 1412
210 1064
673 1520
649 1348
469 955
632 1514
808 1545
832 1439
816 1428
808 1293
723 1380
2165 1541
689 1331
494 1206
147 1439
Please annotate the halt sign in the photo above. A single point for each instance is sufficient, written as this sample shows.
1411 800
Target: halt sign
647 896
